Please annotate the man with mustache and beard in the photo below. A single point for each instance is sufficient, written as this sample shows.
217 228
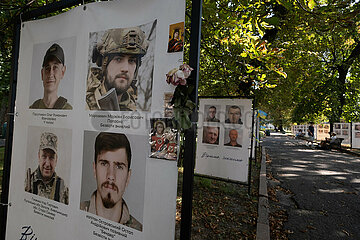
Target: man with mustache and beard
44 181
112 173
112 85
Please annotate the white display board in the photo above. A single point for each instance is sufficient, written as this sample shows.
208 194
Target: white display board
303 129
150 192
355 143
322 131
223 142
342 130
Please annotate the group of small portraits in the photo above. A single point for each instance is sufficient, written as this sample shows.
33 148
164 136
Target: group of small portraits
233 114
357 130
163 139
113 75
109 162
232 137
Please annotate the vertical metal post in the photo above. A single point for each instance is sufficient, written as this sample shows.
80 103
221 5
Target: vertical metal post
251 146
350 134
52 7
190 134
9 131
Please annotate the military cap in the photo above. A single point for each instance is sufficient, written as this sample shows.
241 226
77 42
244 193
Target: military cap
54 51
48 141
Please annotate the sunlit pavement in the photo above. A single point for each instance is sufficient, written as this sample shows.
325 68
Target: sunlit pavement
323 198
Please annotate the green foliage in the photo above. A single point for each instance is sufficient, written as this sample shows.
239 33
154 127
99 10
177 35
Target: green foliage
183 106
321 58
234 60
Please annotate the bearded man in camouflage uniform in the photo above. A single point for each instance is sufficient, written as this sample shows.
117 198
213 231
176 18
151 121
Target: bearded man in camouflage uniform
112 171
111 85
44 181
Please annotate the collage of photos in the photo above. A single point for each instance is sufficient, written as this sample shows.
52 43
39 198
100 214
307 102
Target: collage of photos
118 59
342 130
224 138
231 127
94 120
357 130
163 139
300 129
323 131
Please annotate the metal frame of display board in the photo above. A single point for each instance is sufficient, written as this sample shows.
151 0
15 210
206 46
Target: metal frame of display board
31 15
251 143
190 134
194 58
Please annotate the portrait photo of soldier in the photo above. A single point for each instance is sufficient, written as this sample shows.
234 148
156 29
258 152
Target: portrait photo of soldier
357 134
113 170
232 138
48 165
211 114
52 75
121 68
233 115
211 135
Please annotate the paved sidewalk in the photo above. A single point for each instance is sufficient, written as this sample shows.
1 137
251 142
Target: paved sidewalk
318 189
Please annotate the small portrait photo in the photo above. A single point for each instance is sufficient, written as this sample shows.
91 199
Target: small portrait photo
321 131
337 126
321 126
168 107
212 113
163 139
357 127
52 75
326 126
233 114
233 137
338 132
345 126
176 37
345 132
48 163
211 135
326 131
357 134
121 64
113 177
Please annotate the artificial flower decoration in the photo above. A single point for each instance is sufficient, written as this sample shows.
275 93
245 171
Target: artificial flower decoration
178 76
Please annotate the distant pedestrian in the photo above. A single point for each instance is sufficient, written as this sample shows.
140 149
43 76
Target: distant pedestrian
311 131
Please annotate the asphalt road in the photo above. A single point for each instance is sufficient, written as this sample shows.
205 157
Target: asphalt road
320 189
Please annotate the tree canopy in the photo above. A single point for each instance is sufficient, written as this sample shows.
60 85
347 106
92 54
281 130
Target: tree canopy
299 58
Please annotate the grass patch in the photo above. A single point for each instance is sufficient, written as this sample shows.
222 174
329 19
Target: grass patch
222 210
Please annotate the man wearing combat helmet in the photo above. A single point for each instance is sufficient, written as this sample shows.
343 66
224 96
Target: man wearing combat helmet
111 85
